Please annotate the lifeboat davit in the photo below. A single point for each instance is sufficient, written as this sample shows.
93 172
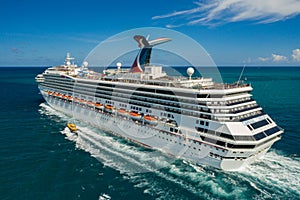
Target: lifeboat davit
150 119
109 108
122 112
134 115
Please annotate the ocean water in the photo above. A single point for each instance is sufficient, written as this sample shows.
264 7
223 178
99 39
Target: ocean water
40 159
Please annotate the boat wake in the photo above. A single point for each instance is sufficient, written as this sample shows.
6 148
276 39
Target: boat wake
275 176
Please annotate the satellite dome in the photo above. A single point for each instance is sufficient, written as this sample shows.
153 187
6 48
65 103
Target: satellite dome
190 71
85 64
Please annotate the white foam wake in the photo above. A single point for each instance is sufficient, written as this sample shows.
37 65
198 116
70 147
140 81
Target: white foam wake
275 175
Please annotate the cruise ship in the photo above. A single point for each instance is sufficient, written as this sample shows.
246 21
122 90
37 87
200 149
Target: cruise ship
195 119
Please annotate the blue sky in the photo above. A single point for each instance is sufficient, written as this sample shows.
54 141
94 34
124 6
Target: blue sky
251 32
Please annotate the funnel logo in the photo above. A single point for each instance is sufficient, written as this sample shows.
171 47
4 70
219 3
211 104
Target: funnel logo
144 56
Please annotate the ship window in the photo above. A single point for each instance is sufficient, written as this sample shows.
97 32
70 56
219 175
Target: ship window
272 130
221 143
171 129
235 146
227 136
197 121
206 123
169 115
260 124
243 137
199 129
201 122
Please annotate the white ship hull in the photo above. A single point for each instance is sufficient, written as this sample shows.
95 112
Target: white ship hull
152 137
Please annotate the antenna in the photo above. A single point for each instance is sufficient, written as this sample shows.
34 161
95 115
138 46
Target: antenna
237 83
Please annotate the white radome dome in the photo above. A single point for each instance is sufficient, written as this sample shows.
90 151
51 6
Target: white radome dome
119 64
85 64
190 71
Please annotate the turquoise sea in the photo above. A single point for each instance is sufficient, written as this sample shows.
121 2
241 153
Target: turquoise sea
39 160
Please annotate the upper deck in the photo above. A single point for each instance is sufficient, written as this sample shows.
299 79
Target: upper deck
153 77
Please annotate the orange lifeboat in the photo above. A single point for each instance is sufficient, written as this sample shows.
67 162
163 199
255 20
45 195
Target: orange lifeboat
70 98
150 119
82 101
134 115
99 105
76 99
90 103
122 112
109 108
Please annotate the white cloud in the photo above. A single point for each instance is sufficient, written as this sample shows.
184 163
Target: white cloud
173 26
296 55
216 12
278 58
263 59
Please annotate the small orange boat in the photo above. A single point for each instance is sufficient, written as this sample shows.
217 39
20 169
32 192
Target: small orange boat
76 99
122 112
90 103
134 115
109 108
150 119
98 105
72 127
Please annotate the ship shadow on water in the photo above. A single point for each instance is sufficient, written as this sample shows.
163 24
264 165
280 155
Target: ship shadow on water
276 176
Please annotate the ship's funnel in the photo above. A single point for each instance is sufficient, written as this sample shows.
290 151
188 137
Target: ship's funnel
144 55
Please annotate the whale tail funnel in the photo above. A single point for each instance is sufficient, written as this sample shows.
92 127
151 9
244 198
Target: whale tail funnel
144 55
